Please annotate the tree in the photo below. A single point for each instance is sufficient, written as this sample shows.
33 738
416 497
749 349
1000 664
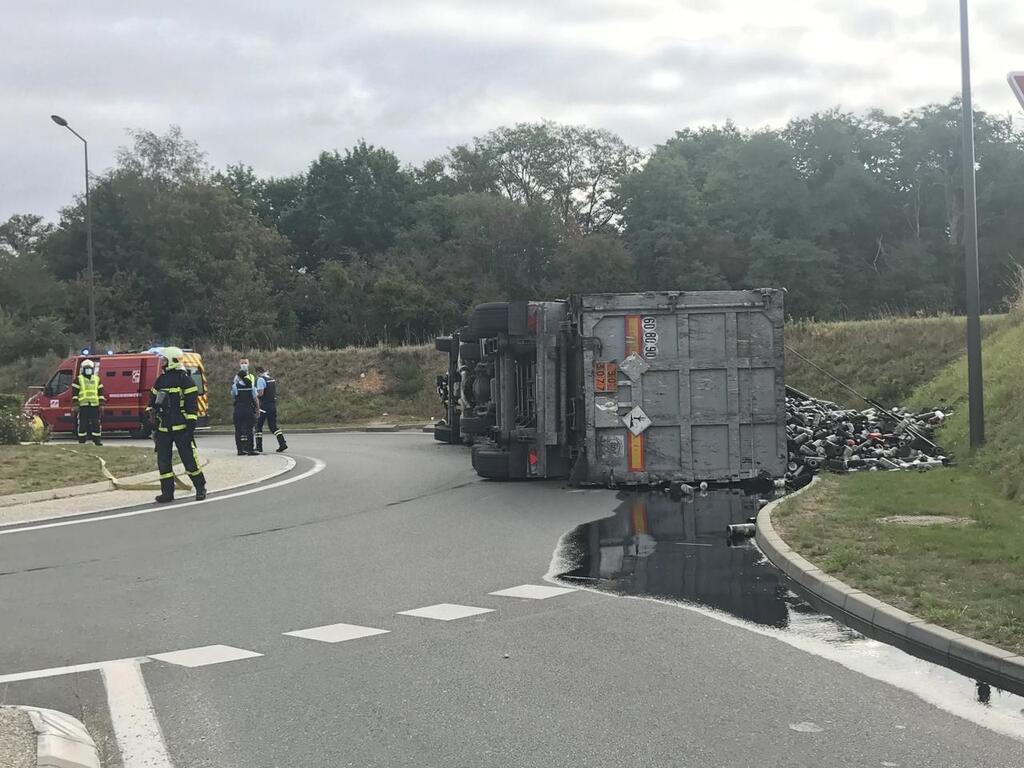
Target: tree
355 203
573 170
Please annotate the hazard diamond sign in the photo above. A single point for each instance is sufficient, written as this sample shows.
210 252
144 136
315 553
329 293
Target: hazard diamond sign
1016 81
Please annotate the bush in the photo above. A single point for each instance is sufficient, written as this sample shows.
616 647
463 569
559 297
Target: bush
14 427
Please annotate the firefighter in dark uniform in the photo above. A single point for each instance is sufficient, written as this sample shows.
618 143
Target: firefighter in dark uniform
266 388
174 410
87 396
247 405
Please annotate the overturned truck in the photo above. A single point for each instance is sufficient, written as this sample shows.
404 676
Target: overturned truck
621 389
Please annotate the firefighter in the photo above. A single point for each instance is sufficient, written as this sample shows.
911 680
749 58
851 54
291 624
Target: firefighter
247 405
174 411
87 396
266 388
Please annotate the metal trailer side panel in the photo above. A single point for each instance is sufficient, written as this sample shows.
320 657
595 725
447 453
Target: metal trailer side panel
704 372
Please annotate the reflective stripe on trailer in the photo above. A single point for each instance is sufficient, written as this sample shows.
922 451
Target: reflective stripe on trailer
635 444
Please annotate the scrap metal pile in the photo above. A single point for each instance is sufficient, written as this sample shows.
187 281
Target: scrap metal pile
824 436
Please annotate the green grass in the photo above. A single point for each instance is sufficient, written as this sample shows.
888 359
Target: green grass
885 359
26 468
969 579
337 386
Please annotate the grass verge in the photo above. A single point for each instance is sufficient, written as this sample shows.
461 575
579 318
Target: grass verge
25 468
969 579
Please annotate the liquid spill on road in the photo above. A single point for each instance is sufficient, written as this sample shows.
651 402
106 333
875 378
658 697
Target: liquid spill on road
658 548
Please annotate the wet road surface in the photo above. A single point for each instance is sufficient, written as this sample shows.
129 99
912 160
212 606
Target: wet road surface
363 617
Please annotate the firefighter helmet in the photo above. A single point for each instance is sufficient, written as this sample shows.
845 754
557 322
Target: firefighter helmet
173 356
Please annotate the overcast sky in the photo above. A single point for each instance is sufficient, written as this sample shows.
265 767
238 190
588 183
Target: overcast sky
273 83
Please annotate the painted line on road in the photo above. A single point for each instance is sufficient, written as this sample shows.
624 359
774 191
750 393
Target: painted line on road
533 592
136 728
204 655
336 633
446 612
318 466
74 669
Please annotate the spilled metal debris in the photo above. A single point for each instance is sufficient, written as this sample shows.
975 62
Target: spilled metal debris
823 436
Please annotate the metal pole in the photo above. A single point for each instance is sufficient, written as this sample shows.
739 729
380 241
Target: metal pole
88 255
976 401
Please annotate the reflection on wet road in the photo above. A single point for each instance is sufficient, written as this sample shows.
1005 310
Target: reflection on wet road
676 550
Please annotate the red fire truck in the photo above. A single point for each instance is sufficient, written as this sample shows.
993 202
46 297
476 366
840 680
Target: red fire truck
127 378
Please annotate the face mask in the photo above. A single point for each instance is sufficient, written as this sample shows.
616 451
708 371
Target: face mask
244 367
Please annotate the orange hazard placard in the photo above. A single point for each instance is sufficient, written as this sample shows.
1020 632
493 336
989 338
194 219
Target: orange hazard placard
606 377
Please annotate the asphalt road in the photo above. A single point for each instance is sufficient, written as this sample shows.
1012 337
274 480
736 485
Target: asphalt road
396 522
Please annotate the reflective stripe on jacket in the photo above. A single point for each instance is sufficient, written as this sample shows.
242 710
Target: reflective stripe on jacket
88 390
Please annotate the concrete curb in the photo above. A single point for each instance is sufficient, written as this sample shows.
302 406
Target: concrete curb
72 491
288 465
61 740
882 621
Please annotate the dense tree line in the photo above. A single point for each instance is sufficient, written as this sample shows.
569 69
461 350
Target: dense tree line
853 214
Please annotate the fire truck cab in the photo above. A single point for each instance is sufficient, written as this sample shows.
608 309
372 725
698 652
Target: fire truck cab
127 378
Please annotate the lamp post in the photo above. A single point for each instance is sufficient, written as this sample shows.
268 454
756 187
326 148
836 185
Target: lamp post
88 235
976 400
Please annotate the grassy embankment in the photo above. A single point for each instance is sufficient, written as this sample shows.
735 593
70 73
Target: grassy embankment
26 468
969 578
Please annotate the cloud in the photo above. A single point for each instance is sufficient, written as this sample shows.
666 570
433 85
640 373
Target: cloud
272 84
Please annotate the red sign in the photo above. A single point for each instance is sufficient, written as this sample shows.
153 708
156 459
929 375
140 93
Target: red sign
1016 81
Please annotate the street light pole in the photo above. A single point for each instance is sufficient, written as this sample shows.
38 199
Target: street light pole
88 235
976 400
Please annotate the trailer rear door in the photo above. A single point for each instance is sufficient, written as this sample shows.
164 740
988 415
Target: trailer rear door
682 386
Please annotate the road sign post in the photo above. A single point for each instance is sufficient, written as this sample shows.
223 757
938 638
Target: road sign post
975 398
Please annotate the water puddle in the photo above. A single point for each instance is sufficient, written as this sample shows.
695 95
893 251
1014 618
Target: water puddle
658 548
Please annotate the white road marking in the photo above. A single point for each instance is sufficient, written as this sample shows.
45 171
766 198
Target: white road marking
336 633
446 612
135 725
533 592
74 669
205 655
318 465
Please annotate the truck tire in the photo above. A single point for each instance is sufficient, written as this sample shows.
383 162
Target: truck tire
490 462
443 433
489 319
475 425
141 432
443 343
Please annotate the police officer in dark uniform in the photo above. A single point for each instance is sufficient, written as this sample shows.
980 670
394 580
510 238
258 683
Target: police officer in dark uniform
266 387
174 411
247 405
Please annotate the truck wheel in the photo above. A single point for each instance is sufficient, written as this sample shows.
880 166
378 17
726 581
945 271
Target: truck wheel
469 351
443 433
443 343
491 463
141 432
489 319
475 425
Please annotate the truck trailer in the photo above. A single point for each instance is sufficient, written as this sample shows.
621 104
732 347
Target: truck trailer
621 389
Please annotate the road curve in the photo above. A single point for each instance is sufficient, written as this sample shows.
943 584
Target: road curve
394 524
